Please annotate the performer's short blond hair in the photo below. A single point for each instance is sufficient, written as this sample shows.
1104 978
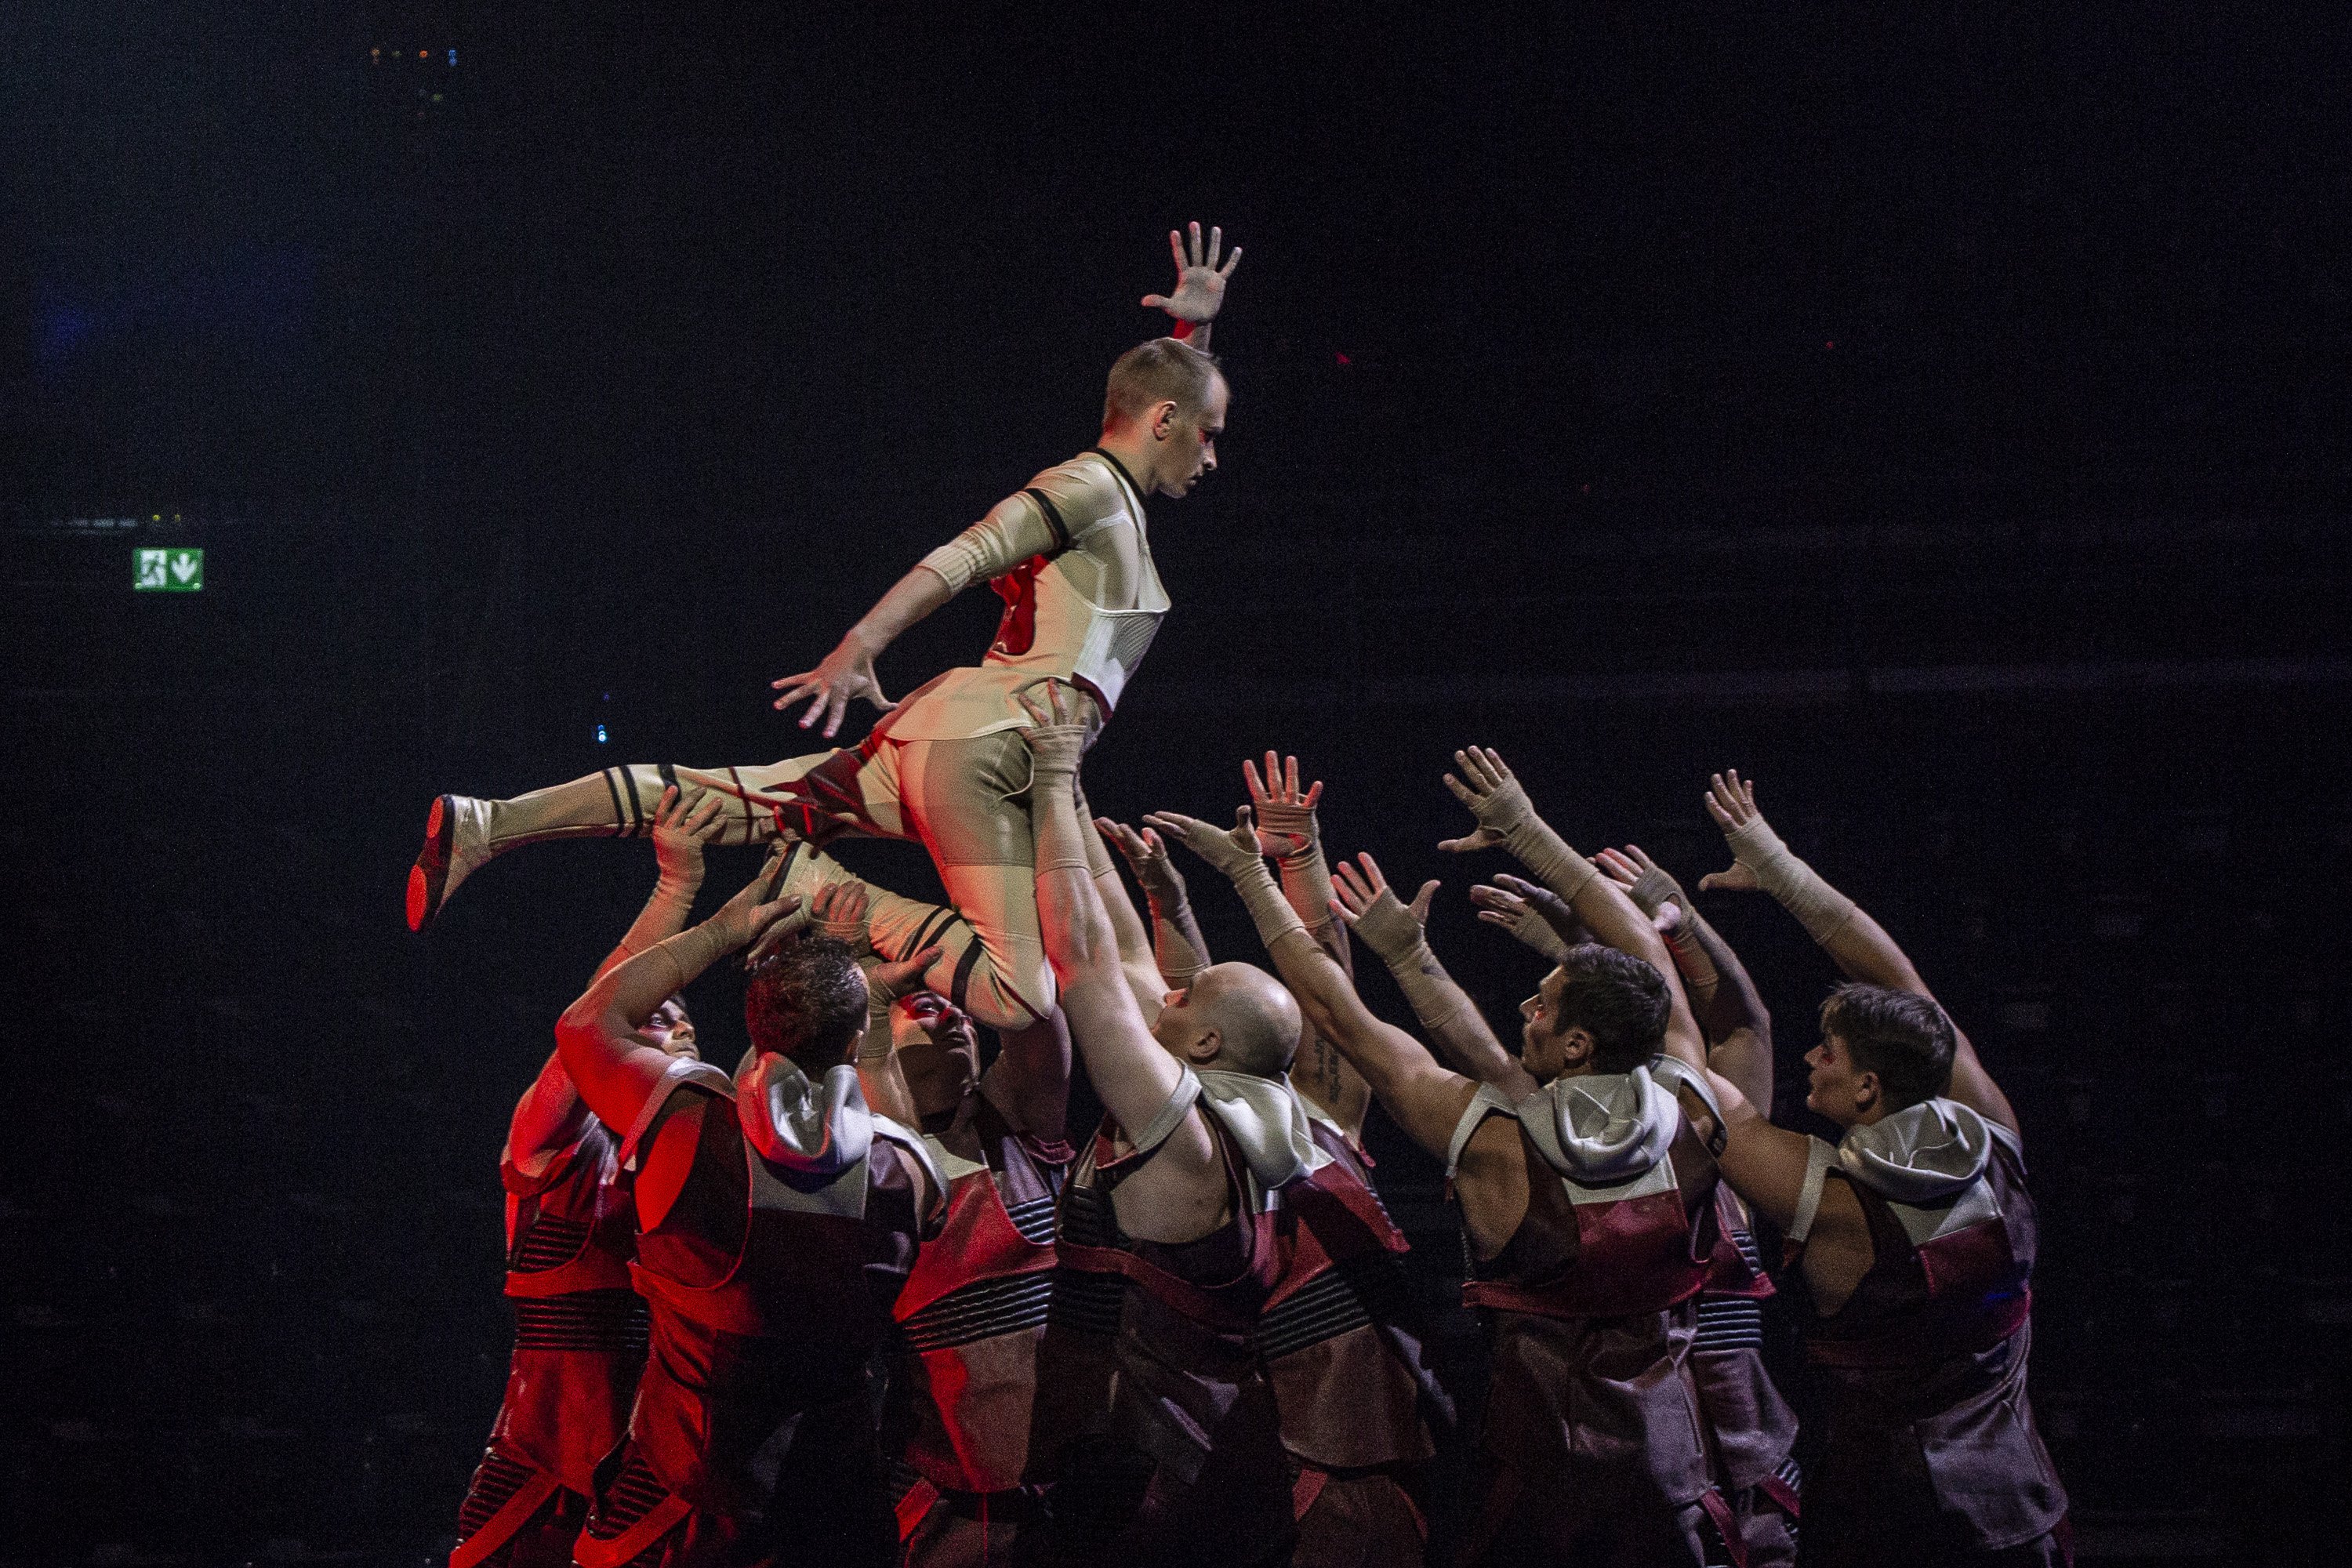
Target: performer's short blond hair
1161 371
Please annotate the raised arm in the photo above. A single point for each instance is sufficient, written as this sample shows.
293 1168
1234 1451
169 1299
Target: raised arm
1398 933
1422 1098
1200 290
1134 1077
1287 829
1730 1011
1179 951
1508 912
597 1036
1858 944
1506 818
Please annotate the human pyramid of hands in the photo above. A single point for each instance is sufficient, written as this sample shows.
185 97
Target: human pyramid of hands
1186 1333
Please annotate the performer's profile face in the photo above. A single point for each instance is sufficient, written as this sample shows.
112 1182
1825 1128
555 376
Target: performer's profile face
670 1030
1194 439
1541 1049
1831 1086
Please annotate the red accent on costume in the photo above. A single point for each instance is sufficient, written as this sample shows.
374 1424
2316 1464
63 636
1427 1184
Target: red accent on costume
1016 633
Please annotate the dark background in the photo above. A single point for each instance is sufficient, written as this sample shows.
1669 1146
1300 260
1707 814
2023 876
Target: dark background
1941 415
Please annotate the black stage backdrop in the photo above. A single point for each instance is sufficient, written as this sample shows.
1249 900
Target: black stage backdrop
1939 414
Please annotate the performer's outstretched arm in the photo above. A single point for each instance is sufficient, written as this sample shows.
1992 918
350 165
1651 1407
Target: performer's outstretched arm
549 1117
1730 1011
1177 951
1579 893
1857 943
1180 1193
1289 829
1509 912
596 1036
1421 1097
1397 932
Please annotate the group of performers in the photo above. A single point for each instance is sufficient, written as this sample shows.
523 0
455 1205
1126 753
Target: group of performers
868 1298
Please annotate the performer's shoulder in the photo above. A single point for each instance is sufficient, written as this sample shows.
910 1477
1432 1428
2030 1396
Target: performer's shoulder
1082 492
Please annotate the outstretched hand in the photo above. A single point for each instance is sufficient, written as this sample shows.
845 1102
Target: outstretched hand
1731 801
1285 813
1554 909
759 915
1232 852
837 910
1200 291
902 976
1147 855
1501 907
847 671
1646 882
680 835
1494 796
1356 891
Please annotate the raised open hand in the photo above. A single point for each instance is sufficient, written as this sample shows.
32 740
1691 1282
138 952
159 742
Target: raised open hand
1554 909
1731 801
1500 907
680 835
1147 855
1231 852
1644 880
1494 796
1285 813
1364 900
1200 281
847 671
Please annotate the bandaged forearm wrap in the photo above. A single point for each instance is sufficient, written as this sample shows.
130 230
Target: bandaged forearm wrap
1305 877
664 913
1012 531
1061 835
694 950
1268 910
1821 909
1536 931
1389 929
1653 890
1547 854
1176 943
1697 969
1099 860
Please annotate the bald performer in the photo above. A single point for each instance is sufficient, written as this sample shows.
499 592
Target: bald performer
1180 1192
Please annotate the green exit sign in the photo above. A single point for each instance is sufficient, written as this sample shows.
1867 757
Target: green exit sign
168 571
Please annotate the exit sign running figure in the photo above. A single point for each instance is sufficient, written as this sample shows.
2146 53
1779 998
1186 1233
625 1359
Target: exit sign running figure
168 571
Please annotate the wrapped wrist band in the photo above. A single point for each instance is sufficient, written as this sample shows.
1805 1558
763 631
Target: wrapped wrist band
1821 909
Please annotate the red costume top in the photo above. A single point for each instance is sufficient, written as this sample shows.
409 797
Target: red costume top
974 1309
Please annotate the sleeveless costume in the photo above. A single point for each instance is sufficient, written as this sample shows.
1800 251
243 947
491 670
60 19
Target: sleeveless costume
1755 1430
580 1342
1156 1420
971 1318
771 1280
1340 1339
1930 1454
1594 1445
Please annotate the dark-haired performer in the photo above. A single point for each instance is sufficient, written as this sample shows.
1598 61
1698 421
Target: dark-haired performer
1180 1192
1755 1429
1587 1190
777 1220
1915 1241
973 1310
580 1326
1071 556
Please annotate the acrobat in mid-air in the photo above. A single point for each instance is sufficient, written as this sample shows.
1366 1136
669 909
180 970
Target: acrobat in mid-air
1071 556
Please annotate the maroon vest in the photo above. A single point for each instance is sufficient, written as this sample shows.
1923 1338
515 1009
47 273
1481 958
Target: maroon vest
1340 1335
580 1330
973 1311
1175 1391
770 1291
1925 1366
1593 1311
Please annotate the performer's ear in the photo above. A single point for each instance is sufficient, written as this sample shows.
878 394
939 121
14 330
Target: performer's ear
1163 419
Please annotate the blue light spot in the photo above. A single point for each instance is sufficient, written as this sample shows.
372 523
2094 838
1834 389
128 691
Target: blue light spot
453 58
601 736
